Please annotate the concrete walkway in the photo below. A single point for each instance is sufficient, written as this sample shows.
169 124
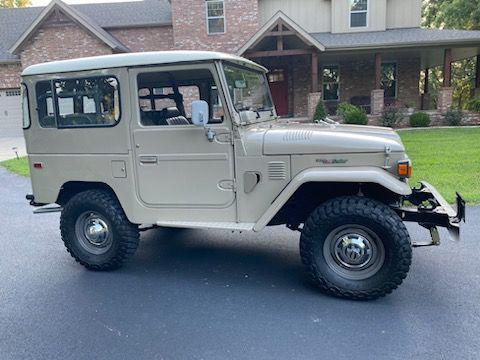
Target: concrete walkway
8 143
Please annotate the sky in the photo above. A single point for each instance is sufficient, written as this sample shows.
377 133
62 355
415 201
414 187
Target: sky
45 2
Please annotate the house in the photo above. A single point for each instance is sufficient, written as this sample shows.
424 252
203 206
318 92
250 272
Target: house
366 52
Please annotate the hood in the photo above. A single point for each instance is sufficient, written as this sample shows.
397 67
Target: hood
296 138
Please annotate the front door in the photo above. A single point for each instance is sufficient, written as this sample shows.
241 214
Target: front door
278 81
176 165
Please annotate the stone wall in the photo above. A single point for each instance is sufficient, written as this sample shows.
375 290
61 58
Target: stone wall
145 38
10 75
190 28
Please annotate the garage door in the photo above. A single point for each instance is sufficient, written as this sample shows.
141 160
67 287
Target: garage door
10 113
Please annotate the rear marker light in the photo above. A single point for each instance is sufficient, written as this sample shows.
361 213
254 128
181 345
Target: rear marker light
38 165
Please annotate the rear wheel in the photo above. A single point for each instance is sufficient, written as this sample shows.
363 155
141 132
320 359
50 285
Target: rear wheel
96 231
355 248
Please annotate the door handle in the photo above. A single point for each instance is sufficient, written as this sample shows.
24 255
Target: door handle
148 159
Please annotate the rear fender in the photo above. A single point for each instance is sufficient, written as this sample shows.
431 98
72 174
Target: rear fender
346 175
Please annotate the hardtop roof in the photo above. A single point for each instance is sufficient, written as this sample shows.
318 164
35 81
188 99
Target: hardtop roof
133 59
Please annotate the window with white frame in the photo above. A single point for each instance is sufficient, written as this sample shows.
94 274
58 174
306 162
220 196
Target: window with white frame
389 80
358 13
331 83
215 16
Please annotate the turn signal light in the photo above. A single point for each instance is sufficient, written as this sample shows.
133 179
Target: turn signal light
404 169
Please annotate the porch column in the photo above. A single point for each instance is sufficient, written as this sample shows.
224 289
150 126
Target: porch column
315 95
445 93
477 77
378 94
425 99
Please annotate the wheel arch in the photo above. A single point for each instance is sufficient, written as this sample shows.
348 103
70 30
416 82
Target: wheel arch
313 186
72 188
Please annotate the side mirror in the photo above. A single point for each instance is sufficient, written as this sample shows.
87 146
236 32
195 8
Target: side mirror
200 113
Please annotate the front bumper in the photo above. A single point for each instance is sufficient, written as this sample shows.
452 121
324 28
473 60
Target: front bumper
432 211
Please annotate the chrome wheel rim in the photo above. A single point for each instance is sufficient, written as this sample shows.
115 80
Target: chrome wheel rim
354 252
93 233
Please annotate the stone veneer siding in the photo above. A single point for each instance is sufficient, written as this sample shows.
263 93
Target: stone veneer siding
158 38
190 28
10 75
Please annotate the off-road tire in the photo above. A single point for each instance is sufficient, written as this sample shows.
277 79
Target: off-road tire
373 215
125 235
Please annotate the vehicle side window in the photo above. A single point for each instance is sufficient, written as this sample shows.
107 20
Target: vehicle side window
46 113
165 98
86 102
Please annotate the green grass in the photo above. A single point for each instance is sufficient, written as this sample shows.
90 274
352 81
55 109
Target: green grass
17 166
449 159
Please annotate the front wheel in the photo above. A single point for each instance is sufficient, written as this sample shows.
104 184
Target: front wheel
96 231
356 248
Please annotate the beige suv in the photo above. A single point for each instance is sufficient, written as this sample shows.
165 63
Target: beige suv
124 143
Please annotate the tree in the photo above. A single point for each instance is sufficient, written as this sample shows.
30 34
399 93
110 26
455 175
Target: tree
460 15
14 3
452 14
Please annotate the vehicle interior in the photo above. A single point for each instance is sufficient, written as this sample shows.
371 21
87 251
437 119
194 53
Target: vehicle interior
165 98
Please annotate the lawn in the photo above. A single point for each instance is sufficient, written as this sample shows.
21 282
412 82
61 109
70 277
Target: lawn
18 166
449 159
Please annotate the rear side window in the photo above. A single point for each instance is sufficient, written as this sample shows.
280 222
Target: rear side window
85 102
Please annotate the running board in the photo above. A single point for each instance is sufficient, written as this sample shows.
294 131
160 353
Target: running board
207 225
48 209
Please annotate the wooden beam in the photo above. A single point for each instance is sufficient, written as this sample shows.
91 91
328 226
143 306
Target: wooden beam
314 72
378 71
425 83
280 43
272 53
279 33
447 68
477 73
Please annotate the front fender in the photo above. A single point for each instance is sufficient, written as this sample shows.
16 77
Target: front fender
362 174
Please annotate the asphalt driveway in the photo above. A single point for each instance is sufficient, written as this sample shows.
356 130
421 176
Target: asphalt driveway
217 295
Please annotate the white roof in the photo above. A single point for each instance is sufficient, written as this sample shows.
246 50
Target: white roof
133 59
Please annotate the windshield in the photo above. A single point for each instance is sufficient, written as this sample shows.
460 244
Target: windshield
249 90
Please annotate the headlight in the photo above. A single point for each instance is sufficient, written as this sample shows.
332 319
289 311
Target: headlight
404 169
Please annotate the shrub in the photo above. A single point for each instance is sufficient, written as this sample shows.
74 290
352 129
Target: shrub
356 117
344 108
453 117
419 119
474 104
390 116
320 112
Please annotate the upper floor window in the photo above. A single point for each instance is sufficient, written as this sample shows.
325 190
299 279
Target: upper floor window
331 83
215 16
358 13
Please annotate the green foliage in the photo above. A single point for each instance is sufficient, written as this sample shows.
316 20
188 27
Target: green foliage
17 166
320 112
352 114
454 14
390 116
474 104
14 3
357 117
454 117
344 108
420 119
